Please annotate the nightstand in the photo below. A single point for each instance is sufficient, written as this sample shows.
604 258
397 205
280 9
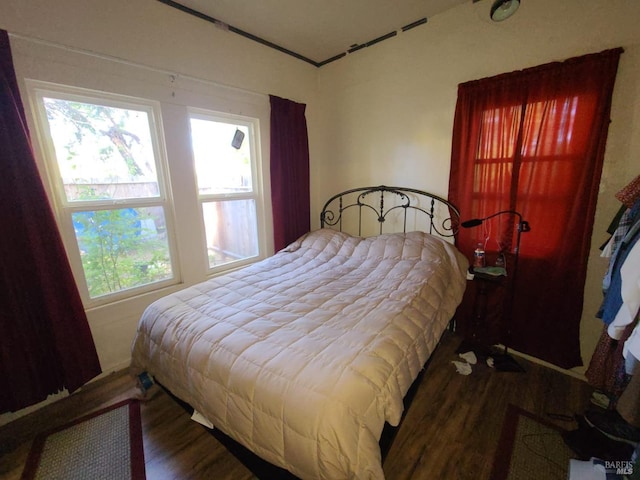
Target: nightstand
481 319
480 316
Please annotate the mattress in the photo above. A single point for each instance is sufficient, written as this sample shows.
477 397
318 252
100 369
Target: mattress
304 356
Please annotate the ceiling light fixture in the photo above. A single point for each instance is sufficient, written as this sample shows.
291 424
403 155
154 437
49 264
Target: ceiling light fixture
503 9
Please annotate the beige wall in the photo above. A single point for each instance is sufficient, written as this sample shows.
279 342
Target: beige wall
387 111
380 115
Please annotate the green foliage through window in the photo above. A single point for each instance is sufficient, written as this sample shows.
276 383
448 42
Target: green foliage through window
122 249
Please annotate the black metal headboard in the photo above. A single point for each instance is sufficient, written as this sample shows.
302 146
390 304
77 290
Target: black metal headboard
369 209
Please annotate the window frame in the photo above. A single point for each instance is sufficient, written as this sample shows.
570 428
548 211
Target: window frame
256 193
64 208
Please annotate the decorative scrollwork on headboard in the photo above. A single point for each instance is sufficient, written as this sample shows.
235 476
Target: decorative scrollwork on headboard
381 203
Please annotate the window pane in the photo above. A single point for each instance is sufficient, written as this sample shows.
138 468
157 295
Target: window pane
220 166
102 152
231 229
122 248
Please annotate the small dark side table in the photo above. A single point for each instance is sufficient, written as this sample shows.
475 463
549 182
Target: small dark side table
481 319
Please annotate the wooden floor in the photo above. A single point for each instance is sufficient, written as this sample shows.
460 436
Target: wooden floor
450 432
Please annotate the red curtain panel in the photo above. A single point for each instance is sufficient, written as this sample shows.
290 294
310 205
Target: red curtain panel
290 194
45 340
533 141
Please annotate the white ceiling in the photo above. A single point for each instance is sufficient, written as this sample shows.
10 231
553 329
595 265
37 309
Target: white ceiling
318 29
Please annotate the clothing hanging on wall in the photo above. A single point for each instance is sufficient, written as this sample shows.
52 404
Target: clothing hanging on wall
607 367
631 193
606 372
630 295
608 246
623 240
615 368
618 350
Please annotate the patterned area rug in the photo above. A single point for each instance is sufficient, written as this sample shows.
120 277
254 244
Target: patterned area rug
530 449
106 444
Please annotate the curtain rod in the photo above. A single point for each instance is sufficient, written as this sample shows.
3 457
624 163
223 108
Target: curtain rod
172 75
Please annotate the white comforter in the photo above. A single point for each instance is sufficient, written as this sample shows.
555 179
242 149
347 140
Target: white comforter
302 357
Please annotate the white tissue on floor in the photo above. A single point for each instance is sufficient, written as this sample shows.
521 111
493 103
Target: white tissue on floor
463 368
201 419
470 357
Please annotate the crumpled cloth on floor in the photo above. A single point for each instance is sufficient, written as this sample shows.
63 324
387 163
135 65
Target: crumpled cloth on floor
463 368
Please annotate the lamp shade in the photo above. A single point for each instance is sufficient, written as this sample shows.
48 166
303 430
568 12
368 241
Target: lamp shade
503 9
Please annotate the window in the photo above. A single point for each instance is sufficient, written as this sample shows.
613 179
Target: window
533 141
548 153
225 165
104 160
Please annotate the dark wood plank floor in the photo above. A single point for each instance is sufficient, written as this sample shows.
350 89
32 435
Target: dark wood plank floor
450 432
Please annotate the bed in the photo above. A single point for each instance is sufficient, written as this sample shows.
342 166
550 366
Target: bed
303 357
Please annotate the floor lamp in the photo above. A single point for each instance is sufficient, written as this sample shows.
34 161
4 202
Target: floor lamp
505 362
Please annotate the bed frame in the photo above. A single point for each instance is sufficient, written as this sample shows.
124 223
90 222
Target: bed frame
372 209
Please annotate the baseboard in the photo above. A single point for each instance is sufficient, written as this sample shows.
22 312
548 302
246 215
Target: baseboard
572 373
9 417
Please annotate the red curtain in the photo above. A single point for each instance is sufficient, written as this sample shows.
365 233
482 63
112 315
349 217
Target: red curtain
46 344
533 141
290 195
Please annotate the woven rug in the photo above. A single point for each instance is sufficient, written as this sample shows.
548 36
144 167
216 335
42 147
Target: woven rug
530 448
106 444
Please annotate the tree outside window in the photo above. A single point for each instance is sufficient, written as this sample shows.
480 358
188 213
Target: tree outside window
106 162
